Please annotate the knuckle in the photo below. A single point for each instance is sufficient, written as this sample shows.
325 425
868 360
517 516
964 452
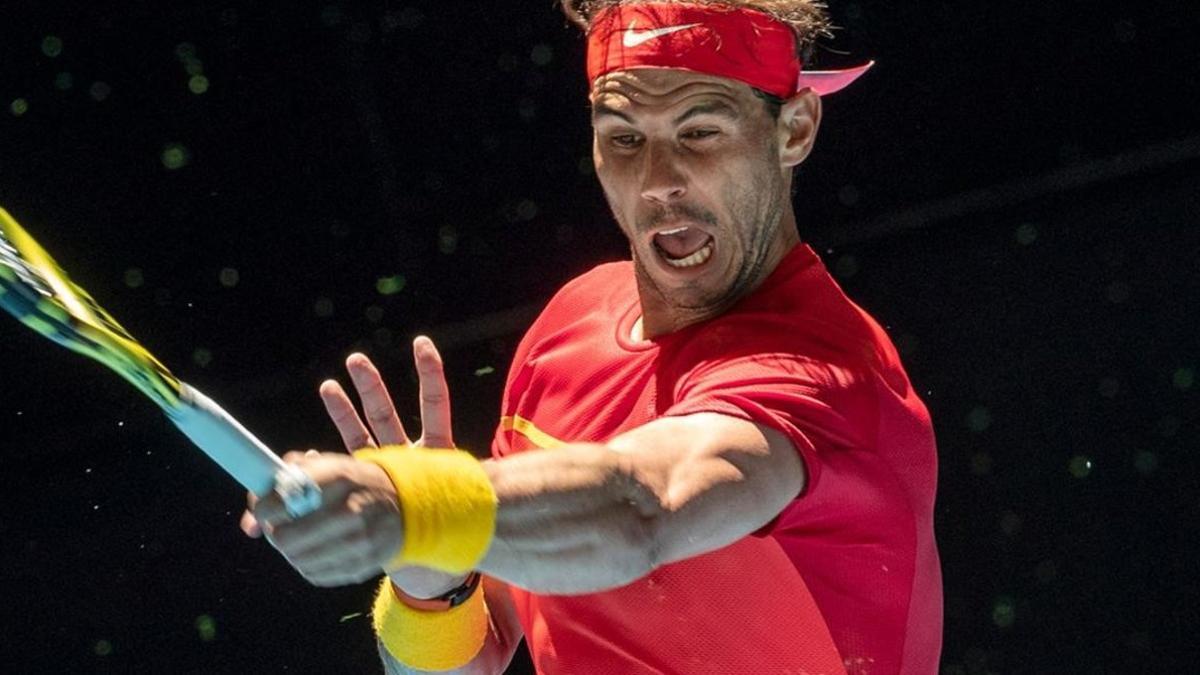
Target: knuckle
381 413
435 396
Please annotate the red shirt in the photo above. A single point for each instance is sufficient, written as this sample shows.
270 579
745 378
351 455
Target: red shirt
845 578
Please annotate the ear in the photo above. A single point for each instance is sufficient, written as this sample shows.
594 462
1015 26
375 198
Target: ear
799 119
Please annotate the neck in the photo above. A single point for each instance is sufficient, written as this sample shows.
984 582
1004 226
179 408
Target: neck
660 317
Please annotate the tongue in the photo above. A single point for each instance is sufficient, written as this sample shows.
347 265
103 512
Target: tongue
683 244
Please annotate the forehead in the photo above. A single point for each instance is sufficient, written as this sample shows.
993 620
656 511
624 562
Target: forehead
647 89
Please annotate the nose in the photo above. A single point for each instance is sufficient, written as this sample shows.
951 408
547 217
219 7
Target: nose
662 181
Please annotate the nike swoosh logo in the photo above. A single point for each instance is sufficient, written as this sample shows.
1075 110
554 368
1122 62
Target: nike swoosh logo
634 38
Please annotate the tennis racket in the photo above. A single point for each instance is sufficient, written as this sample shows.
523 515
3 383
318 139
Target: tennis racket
35 290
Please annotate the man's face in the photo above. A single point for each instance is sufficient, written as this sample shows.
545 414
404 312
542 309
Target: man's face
691 168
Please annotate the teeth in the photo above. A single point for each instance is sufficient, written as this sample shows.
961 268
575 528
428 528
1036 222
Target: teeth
674 231
692 260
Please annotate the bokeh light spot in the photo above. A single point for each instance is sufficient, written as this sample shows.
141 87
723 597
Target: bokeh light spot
1027 234
1004 612
981 463
542 54
979 419
331 15
1184 378
907 344
507 63
1145 462
390 285
1109 387
486 370
185 51
846 266
175 156
849 195
527 209
202 357
1125 30
1118 292
198 84
1167 426
206 626
229 277
1046 571
527 108
447 239
1010 523
1080 466
134 278
64 81
18 107
1139 640
323 307
103 648
52 46
99 91
360 32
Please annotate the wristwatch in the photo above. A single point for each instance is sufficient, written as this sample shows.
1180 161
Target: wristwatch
448 600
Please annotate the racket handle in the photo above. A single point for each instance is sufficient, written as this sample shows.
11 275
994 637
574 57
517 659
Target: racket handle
241 454
300 494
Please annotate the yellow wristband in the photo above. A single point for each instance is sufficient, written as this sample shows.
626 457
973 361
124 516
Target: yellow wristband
439 640
447 502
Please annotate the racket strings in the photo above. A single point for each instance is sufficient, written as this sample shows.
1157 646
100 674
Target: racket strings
35 290
10 258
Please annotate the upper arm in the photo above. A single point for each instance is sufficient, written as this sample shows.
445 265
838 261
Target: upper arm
715 477
504 636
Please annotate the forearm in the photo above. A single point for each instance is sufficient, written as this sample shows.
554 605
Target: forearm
571 520
585 518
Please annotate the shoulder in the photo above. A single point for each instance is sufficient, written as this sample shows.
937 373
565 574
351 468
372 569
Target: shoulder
596 282
596 288
601 289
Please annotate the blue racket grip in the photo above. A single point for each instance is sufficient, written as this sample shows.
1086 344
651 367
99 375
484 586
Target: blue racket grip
300 494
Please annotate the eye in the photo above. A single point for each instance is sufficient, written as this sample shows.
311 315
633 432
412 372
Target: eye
625 140
698 134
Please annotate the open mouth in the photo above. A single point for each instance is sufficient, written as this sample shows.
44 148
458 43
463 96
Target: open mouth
684 247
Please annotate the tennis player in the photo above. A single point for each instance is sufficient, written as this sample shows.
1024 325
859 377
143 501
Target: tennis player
709 459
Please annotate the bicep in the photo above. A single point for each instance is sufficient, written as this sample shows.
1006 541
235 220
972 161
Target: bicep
718 478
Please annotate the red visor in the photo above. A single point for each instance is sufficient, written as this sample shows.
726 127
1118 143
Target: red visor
737 43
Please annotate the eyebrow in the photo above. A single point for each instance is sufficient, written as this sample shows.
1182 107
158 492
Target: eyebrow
710 108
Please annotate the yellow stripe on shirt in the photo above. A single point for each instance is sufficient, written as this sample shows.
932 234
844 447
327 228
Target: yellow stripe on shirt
527 429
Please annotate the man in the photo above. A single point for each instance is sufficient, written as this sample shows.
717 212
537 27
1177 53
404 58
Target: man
709 459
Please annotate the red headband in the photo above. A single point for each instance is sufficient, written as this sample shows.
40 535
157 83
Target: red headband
737 43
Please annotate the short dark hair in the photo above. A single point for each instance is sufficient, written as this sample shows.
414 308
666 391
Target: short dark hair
773 103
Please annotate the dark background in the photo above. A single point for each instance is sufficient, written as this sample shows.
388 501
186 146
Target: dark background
1013 192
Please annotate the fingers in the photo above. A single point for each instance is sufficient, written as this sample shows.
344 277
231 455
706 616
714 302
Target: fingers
435 395
376 401
341 410
249 523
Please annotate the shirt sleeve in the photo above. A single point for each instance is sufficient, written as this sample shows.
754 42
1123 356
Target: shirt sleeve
815 404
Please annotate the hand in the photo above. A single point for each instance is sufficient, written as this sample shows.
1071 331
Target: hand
388 430
357 529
